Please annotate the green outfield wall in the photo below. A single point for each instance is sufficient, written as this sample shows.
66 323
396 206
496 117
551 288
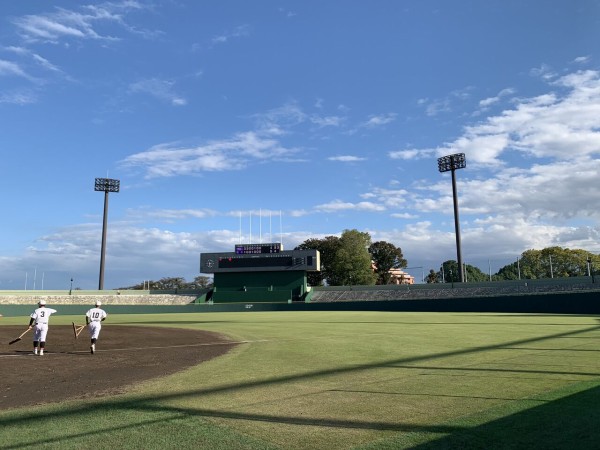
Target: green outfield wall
559 303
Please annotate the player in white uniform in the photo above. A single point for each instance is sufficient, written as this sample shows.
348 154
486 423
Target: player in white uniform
39 319
94 318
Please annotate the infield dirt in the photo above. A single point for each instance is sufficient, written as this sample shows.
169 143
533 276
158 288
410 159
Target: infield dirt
124 356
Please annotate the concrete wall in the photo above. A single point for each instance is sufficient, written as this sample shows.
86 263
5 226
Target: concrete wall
88 299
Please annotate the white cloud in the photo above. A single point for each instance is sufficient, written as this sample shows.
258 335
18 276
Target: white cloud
26 57
76 24
160 89
287 12
404 216
563 126
379 120
63 24
45 63
169 215
582 59
491 100
338 205
544 71
18 97
281 119
390 198
240 31
346 158
278 120
327 121
410 154
434 107
167 160
8 68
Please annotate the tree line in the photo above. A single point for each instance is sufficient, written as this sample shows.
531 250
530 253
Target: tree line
353 259
172 283
550 262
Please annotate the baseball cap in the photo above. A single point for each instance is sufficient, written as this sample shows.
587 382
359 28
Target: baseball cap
98 303
42 303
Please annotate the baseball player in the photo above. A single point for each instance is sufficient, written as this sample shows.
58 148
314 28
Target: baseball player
94 318
39 319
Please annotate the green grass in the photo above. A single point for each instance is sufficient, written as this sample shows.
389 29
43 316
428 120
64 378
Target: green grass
338 380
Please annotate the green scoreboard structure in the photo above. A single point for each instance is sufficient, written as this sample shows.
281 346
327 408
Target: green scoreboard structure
260 273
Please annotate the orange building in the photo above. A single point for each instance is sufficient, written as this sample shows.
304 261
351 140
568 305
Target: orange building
398 276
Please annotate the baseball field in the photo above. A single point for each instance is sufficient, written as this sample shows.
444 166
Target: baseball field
305 380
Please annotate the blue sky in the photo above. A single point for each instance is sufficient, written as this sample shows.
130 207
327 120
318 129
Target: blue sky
277 120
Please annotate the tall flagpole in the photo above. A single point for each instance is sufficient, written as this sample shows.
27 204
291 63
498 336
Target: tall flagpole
280 229
260 226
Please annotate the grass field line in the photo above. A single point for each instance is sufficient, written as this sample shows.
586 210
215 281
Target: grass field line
245 341
204 344
22 353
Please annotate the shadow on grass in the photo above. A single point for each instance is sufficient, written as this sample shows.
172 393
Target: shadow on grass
461 431
174 322
569 423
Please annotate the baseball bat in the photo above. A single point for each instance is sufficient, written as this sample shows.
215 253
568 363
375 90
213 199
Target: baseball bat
19 338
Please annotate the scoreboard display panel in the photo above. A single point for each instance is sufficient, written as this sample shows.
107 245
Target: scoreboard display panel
307 260
254 249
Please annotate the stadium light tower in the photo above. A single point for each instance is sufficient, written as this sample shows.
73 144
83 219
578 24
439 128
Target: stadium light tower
449 164
105 185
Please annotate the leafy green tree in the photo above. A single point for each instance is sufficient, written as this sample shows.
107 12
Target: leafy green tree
352 264
172 283
432 277
327 248
531 265
509 272
386 256
550 262
168 283
474 274
201 281
449 273
564 262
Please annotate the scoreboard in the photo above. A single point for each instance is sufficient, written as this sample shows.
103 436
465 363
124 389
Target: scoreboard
246 260
254 249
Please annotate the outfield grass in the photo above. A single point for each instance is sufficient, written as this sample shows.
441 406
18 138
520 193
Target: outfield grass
339 380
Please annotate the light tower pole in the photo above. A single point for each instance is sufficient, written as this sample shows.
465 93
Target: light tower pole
105 185
449 164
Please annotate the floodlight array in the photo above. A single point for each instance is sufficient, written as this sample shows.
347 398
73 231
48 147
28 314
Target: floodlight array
106 185
452 162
